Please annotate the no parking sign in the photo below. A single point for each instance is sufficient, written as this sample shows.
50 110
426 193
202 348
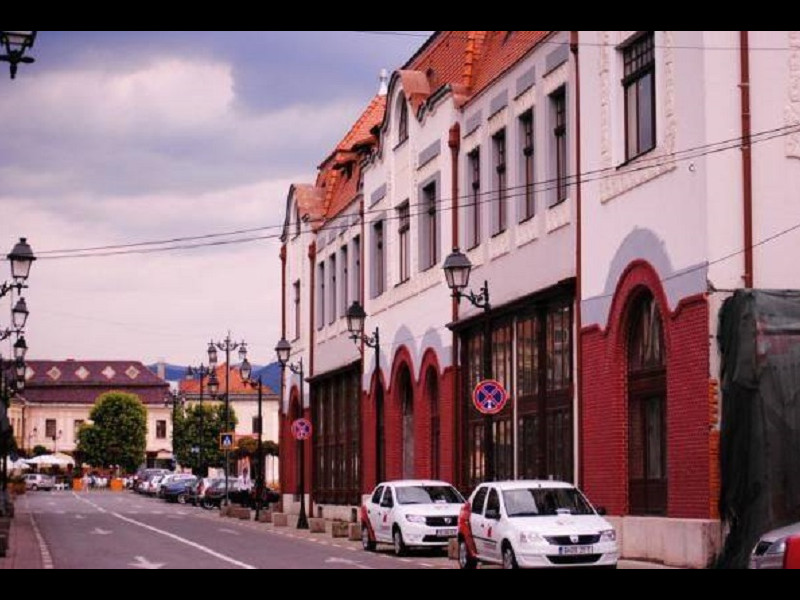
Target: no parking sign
489 397
301 429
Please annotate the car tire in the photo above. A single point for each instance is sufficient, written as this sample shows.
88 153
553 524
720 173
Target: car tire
465 561
509 558
207 504
367 544
398 543
181 499
34 487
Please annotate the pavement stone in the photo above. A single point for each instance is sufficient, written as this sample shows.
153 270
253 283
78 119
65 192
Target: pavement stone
23 546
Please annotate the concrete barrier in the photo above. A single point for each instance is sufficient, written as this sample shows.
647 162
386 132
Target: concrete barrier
265 516
280 519
239 512
355 532
316 525
340 529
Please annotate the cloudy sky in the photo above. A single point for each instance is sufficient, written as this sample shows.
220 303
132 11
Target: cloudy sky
128 137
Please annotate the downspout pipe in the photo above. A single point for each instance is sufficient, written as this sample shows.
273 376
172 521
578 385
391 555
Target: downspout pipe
578 379
312 258
747 172
454 142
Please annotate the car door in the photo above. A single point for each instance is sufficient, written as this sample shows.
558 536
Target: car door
491 522
476 519
373 505
384 521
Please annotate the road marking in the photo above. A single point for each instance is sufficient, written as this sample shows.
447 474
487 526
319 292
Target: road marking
143 563
231 531
426 565
405 560
352 549
98 531
47 560
178 538
99 508
79 517
156 512
347 561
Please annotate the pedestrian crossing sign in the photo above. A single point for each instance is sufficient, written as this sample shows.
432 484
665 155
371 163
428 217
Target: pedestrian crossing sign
226 441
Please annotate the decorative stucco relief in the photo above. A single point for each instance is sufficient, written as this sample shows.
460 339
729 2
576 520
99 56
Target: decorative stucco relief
499 245
632 175
792 111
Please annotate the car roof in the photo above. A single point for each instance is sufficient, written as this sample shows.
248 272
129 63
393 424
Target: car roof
408 482
520 484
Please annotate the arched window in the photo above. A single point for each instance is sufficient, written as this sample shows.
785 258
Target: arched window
296 219
647 393
406 398
432 393
402 124
380 435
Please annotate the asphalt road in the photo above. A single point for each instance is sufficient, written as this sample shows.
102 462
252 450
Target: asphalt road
106 530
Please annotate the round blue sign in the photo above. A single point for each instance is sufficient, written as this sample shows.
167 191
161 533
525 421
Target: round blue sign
301 429
489 397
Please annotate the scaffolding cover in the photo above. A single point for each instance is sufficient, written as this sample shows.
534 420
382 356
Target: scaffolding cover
759 342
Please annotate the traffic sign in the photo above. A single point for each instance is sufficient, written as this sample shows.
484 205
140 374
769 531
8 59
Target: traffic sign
301 429
489 396
226 440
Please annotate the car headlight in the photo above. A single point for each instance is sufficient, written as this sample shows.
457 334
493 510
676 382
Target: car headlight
415 519
530 537
778 547
609 535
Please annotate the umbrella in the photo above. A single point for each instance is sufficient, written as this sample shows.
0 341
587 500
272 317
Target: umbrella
20 465
51 459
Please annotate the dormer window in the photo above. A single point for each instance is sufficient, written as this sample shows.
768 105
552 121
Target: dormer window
296 220
402 126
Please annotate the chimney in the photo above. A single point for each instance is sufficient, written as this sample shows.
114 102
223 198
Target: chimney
384 79
161 369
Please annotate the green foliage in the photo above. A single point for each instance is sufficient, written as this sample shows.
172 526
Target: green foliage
196 436
118 435
39 450
270 448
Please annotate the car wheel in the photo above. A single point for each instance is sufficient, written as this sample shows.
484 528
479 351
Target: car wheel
397 541
465 561
34 487
366 543
207 504
181 498
509 558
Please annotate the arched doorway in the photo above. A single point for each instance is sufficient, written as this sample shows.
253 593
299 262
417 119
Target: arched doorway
432 395
647 393
380 435
406 398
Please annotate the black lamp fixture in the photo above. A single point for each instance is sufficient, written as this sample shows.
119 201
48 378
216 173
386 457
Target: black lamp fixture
246 371
15 43
457 268
356 317
19 314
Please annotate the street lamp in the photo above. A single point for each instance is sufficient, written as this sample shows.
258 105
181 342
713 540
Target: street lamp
15 44
457 269
283 349
21 258
175 400
202 372
55 437
227 346
246 370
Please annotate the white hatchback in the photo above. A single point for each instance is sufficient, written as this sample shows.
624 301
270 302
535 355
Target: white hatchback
533 524
410 512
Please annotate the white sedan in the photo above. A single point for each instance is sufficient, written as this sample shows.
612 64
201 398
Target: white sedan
410 512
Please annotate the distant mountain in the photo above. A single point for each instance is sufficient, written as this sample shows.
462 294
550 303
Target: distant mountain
270 375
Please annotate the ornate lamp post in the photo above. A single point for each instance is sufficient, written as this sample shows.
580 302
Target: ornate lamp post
15 43
227 346
457 268
202 372
174 400
246 370
283 350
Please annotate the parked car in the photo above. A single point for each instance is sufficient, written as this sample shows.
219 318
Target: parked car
410 512
143 475
769 552
247 496
38 481
534 524
169 479
197 491
215 494
177 490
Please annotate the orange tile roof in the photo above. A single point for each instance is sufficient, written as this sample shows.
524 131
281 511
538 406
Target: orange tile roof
237 386
501 50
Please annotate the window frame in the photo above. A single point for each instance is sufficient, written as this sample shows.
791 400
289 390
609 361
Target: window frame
500 164
473 209
639 50
430 226
559 109
527 146
404 241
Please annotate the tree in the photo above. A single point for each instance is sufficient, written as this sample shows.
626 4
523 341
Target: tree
39 450
118 434
197 428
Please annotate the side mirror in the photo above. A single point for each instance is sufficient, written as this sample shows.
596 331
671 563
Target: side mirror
492 513
601 510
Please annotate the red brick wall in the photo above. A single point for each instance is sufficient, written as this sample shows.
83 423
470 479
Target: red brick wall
604 408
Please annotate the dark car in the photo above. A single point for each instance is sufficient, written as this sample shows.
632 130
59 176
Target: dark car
268 496
215 493
177 491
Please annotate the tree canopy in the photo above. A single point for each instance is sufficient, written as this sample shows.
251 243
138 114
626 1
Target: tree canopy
196 436
117 434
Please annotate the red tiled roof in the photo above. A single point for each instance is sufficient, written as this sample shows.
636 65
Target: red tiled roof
237 386
88 394
106 373
500 51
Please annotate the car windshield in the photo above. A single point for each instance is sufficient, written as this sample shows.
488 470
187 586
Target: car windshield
428 494
545 502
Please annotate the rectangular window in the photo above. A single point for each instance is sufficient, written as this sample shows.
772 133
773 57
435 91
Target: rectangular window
528 205
161 430
357 289
320 295
50 428
473 208
559 106
378 260
404 239
76 427
256 425
296 287
639 83
332 288
501 185
559 352
345 281
429 234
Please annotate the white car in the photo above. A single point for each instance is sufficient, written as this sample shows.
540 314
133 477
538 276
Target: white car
410 512
771 547
533 524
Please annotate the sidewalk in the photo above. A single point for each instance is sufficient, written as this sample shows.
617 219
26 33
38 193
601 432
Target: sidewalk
23 546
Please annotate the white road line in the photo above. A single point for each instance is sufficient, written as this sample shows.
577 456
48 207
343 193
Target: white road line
178 538
231 531
99 508
47 560
406 560
352 549
426 565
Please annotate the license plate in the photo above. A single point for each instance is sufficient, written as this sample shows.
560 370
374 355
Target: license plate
575 550
450 532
